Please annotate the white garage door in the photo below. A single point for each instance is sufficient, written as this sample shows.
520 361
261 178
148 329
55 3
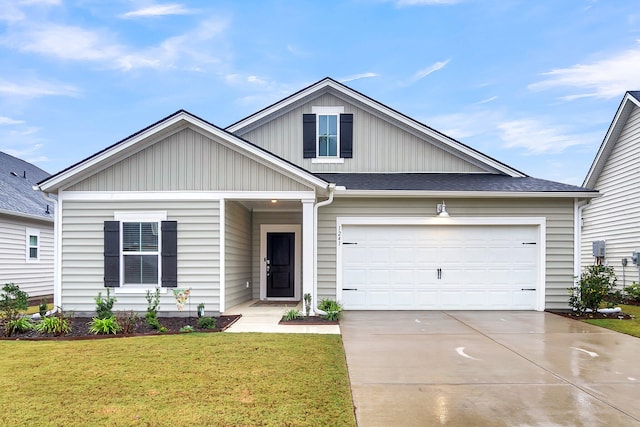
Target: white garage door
419 267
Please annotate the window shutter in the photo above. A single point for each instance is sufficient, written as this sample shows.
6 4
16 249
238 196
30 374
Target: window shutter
169 254
111 254
308 136
346 136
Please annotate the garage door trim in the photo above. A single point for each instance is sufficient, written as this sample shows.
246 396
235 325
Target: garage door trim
539 222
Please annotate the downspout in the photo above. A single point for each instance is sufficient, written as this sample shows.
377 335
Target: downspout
57 297
577 235
331 187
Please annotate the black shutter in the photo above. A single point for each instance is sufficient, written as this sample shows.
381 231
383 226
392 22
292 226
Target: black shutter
112 254
346 136
169 254
309 136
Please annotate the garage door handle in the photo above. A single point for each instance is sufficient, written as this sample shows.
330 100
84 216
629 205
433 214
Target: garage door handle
349 289
528 289
439 273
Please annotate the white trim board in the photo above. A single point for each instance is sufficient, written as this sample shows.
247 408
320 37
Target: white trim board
540 222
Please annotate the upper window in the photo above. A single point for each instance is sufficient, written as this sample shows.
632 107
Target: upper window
327 135
32 245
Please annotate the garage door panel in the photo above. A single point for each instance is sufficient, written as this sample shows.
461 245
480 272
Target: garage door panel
432 267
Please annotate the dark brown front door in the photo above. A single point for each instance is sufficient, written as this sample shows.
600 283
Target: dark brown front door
280 265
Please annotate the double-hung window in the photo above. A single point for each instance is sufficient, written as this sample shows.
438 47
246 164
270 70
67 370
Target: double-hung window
140 252
32 245
327 135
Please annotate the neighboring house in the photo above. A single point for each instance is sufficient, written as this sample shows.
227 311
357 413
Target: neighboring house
326 192
26 228
614 218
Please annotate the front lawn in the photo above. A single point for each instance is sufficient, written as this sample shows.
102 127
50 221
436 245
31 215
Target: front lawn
191 379
630 327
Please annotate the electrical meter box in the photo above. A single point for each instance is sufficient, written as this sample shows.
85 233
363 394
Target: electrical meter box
598 248
635 258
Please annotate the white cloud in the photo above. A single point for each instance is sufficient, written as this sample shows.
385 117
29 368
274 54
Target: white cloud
607 78
537 137
486 101
357 77
426 71
9 121
35 88
158 10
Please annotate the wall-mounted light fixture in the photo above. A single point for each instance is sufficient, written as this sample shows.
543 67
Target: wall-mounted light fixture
441 210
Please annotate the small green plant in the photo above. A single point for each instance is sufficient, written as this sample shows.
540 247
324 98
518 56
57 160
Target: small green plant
331 307
307 304
163 329
633 291
292 314
21 324
594 284
58 324
206 322
128 321
186 328
153 302
104 305
201 310
43 308
105 326
12 301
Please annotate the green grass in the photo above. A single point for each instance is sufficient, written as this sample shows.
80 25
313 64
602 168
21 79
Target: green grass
630 327
192 379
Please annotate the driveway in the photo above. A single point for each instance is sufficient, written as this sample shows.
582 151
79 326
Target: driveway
484 368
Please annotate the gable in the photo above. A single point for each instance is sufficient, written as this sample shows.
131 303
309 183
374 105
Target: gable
188 160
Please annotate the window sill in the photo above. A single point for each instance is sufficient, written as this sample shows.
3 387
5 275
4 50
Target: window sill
130 289
327 160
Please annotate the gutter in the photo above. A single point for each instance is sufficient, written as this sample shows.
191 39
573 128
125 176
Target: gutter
331 187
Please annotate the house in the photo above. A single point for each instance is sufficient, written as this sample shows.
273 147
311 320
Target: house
26 228
611 222
326 192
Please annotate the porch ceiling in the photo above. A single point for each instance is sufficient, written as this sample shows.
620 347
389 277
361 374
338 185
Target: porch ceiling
268 205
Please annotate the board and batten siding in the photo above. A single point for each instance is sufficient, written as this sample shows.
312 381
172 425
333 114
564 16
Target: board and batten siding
237 254
559 238
378 145
258 218
33 277
188 161
82 253
615 216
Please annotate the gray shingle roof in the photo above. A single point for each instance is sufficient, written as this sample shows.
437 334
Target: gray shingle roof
446 182
635 94
16 193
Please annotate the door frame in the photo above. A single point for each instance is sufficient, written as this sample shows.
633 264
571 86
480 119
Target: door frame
539 222
281 228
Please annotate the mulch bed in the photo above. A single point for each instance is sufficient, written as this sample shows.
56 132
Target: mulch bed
80 329
587 316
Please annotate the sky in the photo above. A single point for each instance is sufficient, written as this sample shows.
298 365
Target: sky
533 84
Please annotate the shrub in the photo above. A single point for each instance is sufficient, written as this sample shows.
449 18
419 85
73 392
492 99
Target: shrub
331 307
12 301
186 328
42 308
292 314
58 324
307 304
206 323
633 291
128 321
153 302
201 310
104 326
594 284
104 305
21 324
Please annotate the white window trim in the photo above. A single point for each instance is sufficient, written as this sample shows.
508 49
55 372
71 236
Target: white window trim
140 216
327 111
28 233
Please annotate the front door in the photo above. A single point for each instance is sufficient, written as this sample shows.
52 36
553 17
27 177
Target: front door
280 265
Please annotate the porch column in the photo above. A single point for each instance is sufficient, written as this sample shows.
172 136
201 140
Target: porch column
307 248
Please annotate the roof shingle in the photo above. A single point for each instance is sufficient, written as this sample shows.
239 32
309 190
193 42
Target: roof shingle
17 178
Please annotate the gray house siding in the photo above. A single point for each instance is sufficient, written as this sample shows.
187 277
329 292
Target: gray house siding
237 254
82 253
559 239
615 216
188 161
33 277
378 145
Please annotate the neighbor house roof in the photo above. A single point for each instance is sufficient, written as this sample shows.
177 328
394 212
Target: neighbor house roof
17 196
452 183
399 119
630 101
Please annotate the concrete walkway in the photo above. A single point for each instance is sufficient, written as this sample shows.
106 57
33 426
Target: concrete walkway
265 318
489 369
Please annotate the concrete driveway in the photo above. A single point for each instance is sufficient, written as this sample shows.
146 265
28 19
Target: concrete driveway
489 369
